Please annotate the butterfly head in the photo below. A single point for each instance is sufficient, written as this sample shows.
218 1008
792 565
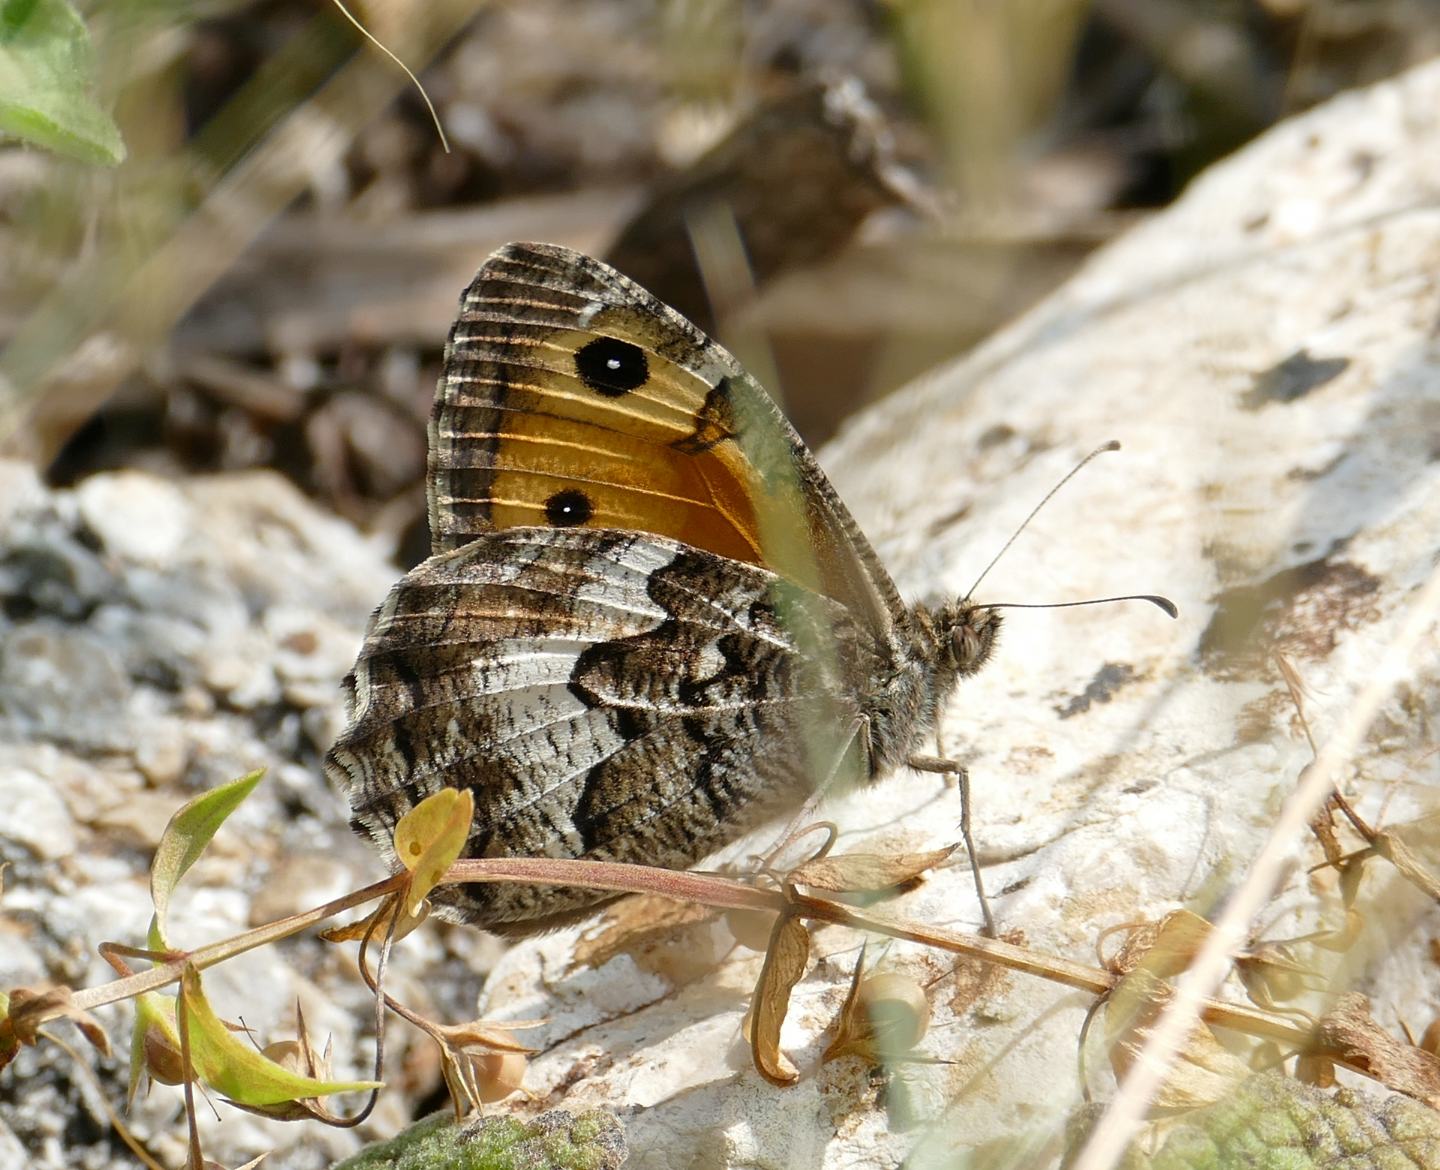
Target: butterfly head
961 635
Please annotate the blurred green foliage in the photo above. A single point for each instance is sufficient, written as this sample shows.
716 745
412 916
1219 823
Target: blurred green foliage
46 79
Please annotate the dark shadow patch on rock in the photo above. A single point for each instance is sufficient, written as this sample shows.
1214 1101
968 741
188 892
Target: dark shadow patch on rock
1299 611
1292 379
1101 689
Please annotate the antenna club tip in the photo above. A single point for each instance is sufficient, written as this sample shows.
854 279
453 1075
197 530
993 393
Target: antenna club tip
1159 601
1112 445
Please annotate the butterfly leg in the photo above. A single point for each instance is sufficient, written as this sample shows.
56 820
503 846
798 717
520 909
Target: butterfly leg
939 764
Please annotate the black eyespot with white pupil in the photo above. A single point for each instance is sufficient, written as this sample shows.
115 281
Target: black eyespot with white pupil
568 509
612 367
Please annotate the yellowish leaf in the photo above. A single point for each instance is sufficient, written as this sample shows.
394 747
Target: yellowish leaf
429 838
185 838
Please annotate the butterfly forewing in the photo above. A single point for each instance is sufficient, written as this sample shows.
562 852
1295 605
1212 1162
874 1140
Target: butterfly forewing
572 397
549 390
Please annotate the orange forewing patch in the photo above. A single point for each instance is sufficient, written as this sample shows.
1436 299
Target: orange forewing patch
651 460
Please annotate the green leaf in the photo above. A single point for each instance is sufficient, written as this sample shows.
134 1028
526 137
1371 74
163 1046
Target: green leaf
46 73
231 1066
185 838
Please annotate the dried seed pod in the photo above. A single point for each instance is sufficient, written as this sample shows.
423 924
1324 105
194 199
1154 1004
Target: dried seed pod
884 1017
163 1060
898 1010
288 1054
498 1074
751 928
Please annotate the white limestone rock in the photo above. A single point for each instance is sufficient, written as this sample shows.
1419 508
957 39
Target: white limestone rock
1265 352
117 601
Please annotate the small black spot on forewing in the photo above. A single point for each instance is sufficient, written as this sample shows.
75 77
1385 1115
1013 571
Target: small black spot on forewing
568 509
612 367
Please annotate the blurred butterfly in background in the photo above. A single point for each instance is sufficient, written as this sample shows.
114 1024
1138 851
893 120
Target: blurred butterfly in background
648 622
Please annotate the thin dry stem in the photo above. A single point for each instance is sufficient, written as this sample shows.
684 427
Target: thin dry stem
208 956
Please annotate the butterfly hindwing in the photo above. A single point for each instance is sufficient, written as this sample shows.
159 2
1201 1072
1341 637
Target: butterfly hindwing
601 694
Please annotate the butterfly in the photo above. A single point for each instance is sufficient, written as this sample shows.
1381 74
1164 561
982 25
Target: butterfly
648 622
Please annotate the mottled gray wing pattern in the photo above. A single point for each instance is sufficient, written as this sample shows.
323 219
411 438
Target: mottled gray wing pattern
603 694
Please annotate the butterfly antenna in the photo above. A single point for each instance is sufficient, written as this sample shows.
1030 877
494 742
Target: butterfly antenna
1112 445
1154 599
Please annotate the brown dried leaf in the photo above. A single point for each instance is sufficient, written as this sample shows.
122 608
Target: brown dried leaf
486 1036
1350 1035
785 961
1204 1072
1412 849
377 923
633 924
26 1009
1163 948
869 873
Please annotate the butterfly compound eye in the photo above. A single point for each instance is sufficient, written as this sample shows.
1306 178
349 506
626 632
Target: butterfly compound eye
972 636
612 367
568 509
